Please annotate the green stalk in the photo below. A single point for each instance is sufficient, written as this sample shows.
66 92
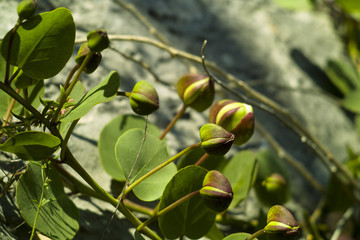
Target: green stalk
170 160
256 234
167 209
202 159
173 121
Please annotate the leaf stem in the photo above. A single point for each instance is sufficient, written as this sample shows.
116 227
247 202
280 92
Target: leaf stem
173 121
202 159
167 209
10 108
256 234
170 160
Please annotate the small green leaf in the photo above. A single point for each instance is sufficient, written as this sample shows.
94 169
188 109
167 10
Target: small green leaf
104 92
109 136
191 218
295 4
215 233
43 44
58 218
153 153
240 172
31 145
352 101
357 123
238 236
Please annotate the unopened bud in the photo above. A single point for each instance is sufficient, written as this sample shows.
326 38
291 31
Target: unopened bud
98 40
215 140
26 9
84 50
273 190
144 99
281 224
235 117
216 191
196 91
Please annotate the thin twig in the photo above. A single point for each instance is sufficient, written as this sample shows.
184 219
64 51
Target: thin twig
137 14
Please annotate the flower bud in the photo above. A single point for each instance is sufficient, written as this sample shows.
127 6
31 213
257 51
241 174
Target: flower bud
93 63
98 40
26 9
196 91
216 191
235 117
84 50
281 224
215 140
144 99
273 190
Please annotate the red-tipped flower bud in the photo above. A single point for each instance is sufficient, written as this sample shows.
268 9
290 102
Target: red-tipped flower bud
216 191
144 99
196 91
281 224
215 140
26 9
98 40
235 117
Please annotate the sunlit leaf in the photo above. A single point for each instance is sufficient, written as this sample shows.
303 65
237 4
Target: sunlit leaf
295 4
31 145
43 44
135 165
352 101
109 136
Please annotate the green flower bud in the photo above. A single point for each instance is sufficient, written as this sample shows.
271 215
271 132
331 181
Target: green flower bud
216 191
235 117
215 140
93 63
98 40
144 99
281 224
84 50
26 9
196 91
272 190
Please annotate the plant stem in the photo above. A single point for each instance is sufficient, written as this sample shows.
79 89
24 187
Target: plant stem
148 174
202 159
173 121
167 209
256 234
125 94
71 74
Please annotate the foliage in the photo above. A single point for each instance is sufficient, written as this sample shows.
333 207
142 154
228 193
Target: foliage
188 187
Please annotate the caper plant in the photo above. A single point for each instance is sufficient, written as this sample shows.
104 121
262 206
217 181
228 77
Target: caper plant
191 197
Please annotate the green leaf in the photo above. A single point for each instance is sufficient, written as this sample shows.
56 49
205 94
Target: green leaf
153 153
343 75
336 196
270 163
299 5
351 6
357 123
104 92
240 172
211 163
31 145
191 218
58 218
109 136
238 236
352 101
43 44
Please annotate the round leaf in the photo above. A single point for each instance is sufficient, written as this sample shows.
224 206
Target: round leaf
109 136
58 216
43 44
31 145
135 165
191 218
240 172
